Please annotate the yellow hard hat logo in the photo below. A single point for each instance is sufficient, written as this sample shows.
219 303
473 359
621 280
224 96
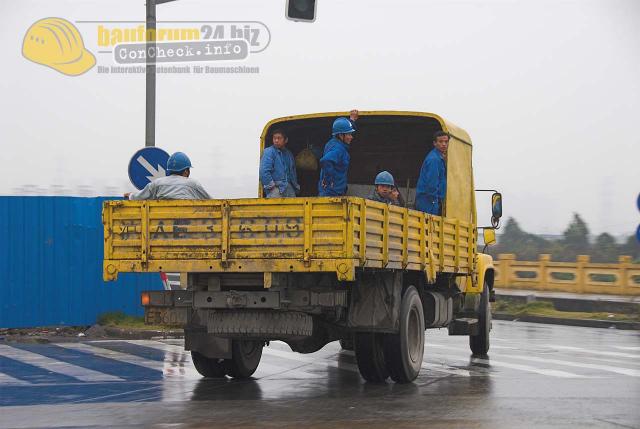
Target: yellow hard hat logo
57 43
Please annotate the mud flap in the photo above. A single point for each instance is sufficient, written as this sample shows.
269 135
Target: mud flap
375 302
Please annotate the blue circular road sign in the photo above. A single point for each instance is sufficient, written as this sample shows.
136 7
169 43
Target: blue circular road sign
146 165
638 233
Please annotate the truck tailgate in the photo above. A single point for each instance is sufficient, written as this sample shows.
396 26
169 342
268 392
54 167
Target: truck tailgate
280 235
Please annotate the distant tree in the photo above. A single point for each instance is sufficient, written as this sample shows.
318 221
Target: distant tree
575 239
631 247
557 251
605 249
512 231
514 240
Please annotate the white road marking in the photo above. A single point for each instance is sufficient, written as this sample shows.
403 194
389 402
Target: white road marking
493 346
527 368
595 352
608 368
270 368
627 348
54 365
110 354
443 367
6 379
167 367
613 362
158 346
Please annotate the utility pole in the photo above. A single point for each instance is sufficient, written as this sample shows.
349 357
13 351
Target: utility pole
150 118
298 10
150 121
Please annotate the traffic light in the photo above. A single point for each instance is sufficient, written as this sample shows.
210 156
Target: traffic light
301 10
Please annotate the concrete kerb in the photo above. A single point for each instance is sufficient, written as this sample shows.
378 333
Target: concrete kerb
75 334
143 334
574 302
587 323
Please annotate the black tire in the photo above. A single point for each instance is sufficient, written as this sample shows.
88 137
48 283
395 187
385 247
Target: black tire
246 356
479 343
404 351
369 348
209 367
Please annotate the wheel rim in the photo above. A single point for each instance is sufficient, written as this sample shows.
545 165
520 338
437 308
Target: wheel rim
413 335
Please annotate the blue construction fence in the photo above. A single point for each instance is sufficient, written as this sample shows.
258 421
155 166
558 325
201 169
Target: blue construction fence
51 251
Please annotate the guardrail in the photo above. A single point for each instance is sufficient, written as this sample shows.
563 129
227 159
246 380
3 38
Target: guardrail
581 276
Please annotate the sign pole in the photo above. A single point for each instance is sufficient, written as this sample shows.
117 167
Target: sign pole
150 122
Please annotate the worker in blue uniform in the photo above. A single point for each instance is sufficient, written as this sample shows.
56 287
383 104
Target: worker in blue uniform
432 183
385 190
334 164
176 186
278 168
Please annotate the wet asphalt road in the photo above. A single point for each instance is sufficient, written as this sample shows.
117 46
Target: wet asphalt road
536 376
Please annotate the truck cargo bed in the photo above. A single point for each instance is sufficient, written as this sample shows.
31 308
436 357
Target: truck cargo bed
281 235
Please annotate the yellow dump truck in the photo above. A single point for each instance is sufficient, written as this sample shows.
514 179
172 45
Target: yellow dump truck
312 270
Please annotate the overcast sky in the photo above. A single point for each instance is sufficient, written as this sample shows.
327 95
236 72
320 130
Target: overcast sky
548 90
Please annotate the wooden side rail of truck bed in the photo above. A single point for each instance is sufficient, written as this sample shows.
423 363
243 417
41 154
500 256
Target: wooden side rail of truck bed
281 235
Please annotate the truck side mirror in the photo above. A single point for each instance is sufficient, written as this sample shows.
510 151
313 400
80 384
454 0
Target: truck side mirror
496 208
489 235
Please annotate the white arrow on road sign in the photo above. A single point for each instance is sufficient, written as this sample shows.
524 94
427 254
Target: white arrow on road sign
154 173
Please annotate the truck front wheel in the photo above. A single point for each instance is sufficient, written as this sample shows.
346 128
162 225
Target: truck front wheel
404 351
209 367
479 343
246 356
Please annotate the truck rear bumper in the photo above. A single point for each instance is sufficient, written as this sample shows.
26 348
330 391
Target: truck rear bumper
275 300
269 314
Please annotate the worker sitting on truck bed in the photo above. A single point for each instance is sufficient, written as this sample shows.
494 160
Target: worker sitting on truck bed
385 189
432 183
278 169
176 186
335 160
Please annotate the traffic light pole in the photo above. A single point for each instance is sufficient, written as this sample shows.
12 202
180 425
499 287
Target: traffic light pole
300 11
150 118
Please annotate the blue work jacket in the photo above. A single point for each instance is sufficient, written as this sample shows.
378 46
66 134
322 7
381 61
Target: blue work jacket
277 168
334 168
432 184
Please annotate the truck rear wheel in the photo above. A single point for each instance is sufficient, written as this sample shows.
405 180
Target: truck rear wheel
246 355
209 367
369 348
404 351
479 343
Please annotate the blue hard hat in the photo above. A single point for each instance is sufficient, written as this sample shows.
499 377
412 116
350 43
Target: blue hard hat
342 126
178 162
385 178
